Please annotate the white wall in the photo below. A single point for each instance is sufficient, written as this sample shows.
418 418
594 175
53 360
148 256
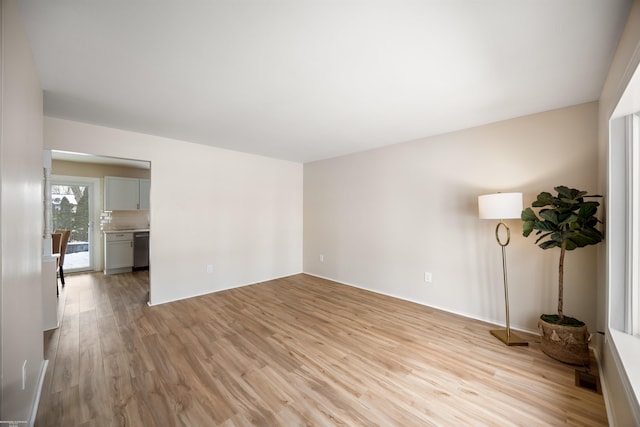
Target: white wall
239 212
382 218
623 407
21 222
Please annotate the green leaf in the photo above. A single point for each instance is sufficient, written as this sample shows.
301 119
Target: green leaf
570 203
542 237
567 219
527 228
543 199
588 209
544 226
590 222
571 245
549 244
593 234
528 215
563 190
549 215
570 195
558 237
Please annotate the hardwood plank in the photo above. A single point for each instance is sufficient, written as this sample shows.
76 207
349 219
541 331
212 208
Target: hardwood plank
92 383
295 351
66 366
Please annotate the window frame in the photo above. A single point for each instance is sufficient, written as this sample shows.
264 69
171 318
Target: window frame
632 285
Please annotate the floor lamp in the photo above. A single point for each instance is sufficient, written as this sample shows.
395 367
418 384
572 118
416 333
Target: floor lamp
503 206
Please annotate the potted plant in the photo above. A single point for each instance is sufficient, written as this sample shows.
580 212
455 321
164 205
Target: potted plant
566 221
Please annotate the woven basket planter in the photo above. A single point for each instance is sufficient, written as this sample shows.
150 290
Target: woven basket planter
568 344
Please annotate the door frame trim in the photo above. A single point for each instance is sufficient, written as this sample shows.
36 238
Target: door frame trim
95 207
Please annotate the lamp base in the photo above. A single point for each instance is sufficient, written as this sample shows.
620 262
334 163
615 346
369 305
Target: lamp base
510 340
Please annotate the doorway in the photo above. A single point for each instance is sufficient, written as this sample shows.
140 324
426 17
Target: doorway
73 168
72 208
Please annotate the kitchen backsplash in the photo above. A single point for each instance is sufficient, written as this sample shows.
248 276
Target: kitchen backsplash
124 220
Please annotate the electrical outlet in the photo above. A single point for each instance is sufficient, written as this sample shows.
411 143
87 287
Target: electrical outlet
427 277
209 268
321 258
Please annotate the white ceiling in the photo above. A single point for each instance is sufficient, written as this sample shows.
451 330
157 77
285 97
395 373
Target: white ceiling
304 80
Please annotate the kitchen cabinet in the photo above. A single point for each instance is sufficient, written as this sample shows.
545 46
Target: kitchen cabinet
145 192
118 252
126 194
121 194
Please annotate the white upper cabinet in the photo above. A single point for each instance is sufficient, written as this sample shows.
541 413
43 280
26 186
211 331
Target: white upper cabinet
126 194
121 194
145 187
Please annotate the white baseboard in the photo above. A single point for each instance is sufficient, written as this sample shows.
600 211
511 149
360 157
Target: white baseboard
604 386
468 316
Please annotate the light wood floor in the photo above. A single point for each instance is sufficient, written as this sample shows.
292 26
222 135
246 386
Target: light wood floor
293 352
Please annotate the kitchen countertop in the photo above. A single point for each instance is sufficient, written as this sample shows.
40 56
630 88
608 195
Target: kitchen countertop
128 230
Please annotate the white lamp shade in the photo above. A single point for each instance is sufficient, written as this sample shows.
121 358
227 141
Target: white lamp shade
500 206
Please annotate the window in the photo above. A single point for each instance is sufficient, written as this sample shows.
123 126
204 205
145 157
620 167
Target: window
72 210
623 224
623 248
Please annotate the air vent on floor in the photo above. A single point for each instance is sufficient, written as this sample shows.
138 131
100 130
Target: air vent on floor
585 378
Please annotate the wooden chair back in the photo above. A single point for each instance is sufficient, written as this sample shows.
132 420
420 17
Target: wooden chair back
56 238
64 239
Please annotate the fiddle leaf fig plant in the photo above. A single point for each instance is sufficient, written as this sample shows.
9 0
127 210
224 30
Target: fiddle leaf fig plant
566 221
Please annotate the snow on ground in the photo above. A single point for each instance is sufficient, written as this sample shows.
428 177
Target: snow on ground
76 260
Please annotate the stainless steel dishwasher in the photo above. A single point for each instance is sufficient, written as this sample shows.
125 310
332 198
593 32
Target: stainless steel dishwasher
140 250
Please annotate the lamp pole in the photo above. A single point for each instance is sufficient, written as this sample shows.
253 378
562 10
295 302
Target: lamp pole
500 206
